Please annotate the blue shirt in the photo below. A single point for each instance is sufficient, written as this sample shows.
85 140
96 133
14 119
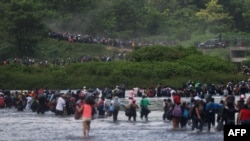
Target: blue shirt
216 106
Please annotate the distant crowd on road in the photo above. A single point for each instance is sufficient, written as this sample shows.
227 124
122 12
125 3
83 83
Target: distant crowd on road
202 111
97 39
30 61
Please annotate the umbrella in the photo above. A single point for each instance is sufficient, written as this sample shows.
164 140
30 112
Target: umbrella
197 84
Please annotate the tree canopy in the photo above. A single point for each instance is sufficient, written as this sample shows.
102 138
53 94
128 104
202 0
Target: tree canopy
25 22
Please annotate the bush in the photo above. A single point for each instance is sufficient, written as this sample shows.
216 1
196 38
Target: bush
186 64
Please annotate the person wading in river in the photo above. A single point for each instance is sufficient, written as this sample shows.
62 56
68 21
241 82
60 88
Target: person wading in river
86 117
144 103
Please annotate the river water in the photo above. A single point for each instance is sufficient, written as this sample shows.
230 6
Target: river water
29 126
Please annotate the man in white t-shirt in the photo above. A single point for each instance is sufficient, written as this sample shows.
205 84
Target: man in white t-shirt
28 102
60 105
136 89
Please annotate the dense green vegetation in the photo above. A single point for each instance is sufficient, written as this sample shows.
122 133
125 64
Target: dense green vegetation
25 25
52 49
183 64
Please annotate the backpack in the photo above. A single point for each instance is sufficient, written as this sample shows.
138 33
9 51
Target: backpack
116 105
185 113
100 107
211 109
111 108
166 107
169 115
177 112
177 99
78 114
127 112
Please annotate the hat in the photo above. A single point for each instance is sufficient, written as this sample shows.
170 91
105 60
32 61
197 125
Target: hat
172 92
242 96
84 87
64 95
197 98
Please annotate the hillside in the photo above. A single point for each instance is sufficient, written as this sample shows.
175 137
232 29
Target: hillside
52 49
26 23
64 49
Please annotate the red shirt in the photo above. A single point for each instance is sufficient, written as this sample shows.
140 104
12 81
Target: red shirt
177 99
245 114
87 111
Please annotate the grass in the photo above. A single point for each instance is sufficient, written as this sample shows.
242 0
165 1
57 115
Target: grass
51 48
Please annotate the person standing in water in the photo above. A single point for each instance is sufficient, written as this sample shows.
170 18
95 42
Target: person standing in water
144 103
86 117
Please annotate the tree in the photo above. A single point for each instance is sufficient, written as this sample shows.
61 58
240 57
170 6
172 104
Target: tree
23 26
246 15
214 14
126 15
237 10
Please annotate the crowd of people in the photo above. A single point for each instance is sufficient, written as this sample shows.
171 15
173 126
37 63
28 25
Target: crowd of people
200 111
98 39
205 112
30 61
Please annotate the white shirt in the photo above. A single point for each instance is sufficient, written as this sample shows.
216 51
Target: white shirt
29 102
136 89
60 104
29 99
